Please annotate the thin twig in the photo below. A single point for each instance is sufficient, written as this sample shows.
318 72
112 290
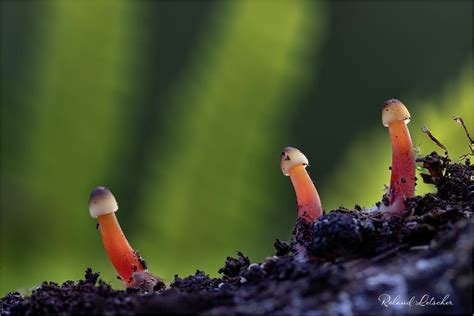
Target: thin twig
436 141
460 121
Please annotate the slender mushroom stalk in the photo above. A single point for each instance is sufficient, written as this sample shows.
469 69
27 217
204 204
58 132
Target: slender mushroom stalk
293 164
395 116
127 262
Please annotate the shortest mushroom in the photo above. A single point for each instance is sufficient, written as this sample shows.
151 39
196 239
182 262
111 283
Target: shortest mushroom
293 164
129 265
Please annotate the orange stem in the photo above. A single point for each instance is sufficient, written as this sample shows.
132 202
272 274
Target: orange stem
122 256
402 182
309 204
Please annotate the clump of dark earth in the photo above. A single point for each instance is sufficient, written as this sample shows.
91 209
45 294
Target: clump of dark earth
347 262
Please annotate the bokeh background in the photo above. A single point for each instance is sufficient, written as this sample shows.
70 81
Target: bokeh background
182 109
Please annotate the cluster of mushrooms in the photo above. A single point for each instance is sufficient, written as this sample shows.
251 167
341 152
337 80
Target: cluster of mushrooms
132 269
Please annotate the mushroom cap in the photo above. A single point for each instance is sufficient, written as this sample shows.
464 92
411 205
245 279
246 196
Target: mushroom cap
291 157
394 110
101 202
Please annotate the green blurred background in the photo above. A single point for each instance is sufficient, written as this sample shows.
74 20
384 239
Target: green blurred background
182 108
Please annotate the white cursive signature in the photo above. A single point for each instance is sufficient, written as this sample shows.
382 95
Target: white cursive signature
426 300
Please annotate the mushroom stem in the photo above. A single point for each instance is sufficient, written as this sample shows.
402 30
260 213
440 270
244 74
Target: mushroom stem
402 182
309 204
395 116
293 164
123 257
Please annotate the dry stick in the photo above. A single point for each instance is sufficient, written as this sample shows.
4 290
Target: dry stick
436 141
460 121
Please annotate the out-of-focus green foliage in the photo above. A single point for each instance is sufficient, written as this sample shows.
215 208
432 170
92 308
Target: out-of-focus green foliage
237 94
356 181
182 108
83 68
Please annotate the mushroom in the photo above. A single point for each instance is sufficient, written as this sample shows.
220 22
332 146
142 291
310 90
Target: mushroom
127 262
293 164
395 116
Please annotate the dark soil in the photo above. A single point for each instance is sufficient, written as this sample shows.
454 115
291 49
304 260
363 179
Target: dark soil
348 262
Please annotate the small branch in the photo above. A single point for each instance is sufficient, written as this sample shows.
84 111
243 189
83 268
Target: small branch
460 121
435 140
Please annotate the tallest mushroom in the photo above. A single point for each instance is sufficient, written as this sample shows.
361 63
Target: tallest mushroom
395 116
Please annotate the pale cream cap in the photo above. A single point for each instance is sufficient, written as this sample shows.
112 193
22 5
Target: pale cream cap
394 110
101 202
291 157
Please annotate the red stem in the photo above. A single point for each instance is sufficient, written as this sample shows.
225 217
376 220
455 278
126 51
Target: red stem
309 204
402 182
120 253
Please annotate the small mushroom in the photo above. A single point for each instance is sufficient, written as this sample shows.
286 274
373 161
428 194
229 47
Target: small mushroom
127 262
293 164
395 116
